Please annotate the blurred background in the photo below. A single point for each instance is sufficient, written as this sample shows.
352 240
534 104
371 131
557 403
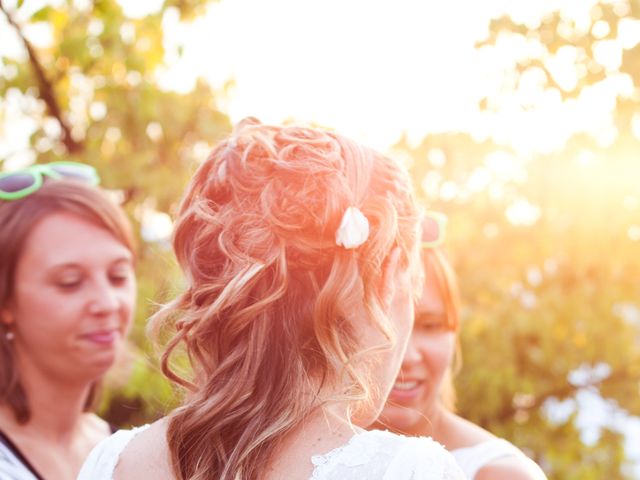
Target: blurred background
520 120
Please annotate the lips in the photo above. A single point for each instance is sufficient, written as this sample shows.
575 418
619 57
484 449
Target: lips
406 389
405 386
101 337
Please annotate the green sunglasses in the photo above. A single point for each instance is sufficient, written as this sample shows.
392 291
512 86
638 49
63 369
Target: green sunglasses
19 184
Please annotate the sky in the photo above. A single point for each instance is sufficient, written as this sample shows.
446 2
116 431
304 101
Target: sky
375 70
366 69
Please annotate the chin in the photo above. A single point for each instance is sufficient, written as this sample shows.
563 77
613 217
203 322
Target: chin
364 416
98 364
399 419
364 419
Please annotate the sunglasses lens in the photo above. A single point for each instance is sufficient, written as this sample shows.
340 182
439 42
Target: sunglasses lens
78 172
16 181
431 230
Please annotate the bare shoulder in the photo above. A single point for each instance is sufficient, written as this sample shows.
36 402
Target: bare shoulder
461 433
147 455
511 468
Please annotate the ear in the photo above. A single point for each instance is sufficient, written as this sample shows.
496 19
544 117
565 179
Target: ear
389 270
6 317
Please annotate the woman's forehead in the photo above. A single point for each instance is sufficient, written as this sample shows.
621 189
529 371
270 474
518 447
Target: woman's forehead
431 300
61 238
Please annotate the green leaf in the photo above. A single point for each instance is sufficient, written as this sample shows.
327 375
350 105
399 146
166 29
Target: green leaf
42 15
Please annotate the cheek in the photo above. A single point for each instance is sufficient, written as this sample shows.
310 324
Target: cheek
403 316
45 321
43 307
129 300
437 351
44 312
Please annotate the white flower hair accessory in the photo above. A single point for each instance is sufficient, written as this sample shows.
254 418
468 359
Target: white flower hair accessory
353 230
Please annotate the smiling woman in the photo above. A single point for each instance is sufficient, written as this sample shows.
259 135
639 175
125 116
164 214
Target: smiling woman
67 294
422 398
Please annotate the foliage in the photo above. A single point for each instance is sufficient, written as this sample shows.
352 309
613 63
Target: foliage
548 255
95 95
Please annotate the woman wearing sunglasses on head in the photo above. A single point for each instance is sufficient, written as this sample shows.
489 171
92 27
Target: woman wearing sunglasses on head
299 248
421 400
67 294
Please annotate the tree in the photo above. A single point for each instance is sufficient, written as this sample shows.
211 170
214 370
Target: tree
94 94
546 246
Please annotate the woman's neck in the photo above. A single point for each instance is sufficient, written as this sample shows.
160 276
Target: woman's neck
319 433
328 426
431 422
439 424
56 407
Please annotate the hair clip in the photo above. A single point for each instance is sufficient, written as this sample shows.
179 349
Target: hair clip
353 230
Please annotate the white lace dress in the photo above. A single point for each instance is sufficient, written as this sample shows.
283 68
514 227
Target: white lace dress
373 455
382 455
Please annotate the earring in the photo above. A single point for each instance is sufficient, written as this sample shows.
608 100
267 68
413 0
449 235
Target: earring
9 336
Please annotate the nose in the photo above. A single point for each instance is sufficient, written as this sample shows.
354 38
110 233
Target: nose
104 298
412 355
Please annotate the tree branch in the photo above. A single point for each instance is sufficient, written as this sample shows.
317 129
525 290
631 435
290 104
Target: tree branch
47 93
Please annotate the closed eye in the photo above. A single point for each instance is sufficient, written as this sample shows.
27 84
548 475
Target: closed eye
69 285
119 280
431 321
120 276
69 282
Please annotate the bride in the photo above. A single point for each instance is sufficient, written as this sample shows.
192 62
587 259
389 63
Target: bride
299 249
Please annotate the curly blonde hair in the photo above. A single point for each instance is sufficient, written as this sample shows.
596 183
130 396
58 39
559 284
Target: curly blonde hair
264 316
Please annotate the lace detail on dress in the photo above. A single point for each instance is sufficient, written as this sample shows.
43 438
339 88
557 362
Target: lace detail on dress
346 455
378 455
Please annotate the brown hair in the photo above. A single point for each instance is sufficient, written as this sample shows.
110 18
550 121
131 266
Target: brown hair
18 217
436 261
265 315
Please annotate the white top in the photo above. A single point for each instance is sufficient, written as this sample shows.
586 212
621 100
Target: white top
11 468
374 455
102 461
385 456
472 459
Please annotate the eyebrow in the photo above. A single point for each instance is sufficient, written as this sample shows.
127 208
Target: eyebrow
60 266
430 314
